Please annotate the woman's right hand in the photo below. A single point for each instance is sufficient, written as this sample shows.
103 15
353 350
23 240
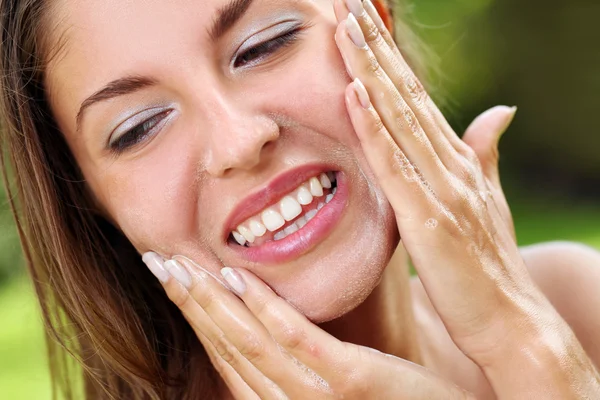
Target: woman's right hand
264 348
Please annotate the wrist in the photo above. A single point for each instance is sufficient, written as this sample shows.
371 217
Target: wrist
542 360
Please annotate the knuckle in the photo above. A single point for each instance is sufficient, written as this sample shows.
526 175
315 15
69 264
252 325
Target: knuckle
262 308
251 347
372 65
470 155
411 120
372 35
414 87
460 202
355 380
378 127
204 298
224 349
181 298
469 177
468 173
293 337
359 384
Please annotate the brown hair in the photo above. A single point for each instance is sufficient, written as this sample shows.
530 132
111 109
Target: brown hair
100 304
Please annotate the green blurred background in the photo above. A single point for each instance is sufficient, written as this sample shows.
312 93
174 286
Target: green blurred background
542 56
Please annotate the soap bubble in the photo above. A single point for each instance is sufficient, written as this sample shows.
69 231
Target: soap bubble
431 223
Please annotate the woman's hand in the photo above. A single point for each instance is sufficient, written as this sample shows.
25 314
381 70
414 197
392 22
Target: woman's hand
263 348
454 223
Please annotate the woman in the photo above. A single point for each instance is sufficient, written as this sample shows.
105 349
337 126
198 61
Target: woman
244 134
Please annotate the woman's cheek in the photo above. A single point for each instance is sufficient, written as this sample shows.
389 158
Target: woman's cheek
153 199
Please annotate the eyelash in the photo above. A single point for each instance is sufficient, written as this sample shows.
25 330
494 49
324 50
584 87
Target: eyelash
269 47
139 132
136 134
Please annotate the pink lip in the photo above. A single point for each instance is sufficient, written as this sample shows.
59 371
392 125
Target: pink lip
303 240
271 194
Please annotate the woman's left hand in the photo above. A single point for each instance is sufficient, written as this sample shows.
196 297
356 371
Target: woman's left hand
454 222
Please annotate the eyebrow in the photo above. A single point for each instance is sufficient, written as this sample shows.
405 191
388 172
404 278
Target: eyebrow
118 87
227 17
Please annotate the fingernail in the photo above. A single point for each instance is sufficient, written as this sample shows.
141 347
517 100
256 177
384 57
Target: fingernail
154 262
355 7
355 32
179 272
362 94
374 14
234 280
509 120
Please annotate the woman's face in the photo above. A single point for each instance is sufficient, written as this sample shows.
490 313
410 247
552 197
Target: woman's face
194 128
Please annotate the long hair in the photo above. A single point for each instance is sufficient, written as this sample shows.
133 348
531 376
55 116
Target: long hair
100 304
111 331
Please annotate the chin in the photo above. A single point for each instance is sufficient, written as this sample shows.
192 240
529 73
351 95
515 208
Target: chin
337 281
343 286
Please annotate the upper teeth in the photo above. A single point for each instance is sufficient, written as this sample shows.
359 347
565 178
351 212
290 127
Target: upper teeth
287 209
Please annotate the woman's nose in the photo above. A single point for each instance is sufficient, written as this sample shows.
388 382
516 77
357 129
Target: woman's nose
238 140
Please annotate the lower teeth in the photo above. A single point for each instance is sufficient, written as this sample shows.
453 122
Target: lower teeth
301 221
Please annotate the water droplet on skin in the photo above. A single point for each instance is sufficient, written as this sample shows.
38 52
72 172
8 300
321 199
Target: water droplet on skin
431 223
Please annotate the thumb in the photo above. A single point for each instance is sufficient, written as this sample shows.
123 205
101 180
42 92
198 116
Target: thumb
484 134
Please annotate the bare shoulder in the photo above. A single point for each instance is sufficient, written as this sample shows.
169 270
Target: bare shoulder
569 275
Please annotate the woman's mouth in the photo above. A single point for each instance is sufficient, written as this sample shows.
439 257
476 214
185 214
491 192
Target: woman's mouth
301 218
290 214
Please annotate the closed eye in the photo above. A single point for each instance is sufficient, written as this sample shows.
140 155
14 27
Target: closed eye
138 133
267 48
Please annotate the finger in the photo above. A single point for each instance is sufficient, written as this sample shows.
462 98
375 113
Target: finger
221 350
246 334
324 354
483 136
236 385
410 88
410 196
385 49
398 118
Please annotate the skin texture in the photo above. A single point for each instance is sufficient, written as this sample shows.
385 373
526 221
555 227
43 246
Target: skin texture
229 134
204 158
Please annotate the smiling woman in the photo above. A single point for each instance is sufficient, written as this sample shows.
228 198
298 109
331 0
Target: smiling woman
211 198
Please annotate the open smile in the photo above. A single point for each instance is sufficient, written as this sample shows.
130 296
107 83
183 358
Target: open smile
298 220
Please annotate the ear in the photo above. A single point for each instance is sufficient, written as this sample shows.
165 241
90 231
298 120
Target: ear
384 10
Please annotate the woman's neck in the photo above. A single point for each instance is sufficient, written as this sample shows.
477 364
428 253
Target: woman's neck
385 321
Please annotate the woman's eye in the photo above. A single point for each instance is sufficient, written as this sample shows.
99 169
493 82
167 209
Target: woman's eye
267 48
138 133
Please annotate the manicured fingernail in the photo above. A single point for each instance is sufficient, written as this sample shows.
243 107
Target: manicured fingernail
355 7
234 280
355 32
362 94
154 262
179 272
374 14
